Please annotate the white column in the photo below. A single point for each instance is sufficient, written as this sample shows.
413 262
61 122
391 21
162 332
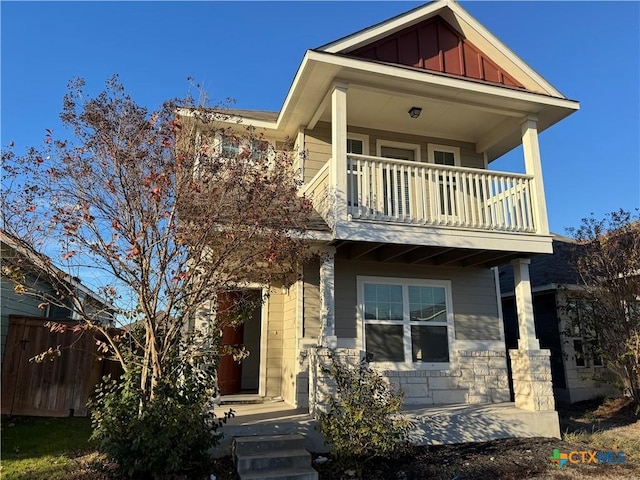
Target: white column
327 294
533 166
299 148
524 305
339 150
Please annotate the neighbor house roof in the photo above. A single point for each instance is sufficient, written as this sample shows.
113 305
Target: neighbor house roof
38 261
547 272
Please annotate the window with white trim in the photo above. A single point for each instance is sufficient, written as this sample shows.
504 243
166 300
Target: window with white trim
229 146
443 155
406 320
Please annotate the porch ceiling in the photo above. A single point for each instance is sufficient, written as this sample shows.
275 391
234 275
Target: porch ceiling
379 96
388 111
423 255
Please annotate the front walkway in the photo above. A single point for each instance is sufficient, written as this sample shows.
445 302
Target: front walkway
433 425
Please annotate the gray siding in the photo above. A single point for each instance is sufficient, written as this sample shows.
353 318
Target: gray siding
311 303
475 305
318 146
12 303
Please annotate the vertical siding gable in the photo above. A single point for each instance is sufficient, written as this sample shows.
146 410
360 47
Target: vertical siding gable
434 45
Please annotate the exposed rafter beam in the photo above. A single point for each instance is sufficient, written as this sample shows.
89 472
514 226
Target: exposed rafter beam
453 256
390 252
339 244
361 249
423 255
487 258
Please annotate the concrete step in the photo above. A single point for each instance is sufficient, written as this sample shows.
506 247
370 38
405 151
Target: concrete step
288 474
257 444
273 457
279 460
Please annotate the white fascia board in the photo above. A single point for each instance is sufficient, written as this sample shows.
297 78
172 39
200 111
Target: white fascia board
463 15
455 237
425 77
294 86
375 32
233 119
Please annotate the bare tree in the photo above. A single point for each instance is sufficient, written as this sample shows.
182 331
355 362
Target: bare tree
606 310
160 211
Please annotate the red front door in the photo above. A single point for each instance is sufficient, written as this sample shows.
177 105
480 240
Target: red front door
229 371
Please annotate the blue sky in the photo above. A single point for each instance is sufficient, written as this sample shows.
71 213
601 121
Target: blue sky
249 51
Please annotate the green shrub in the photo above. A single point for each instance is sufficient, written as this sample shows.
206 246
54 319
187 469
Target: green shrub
157 438
363 420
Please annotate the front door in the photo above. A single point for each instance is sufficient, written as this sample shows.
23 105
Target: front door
242 375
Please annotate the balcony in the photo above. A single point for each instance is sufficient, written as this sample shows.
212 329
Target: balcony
403 192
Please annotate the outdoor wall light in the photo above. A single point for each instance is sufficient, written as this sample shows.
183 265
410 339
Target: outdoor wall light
414 112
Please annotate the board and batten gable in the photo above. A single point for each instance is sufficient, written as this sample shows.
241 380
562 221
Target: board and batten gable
318 146
475 305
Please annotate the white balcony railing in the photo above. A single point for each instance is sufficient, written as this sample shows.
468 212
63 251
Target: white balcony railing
417 193
398 191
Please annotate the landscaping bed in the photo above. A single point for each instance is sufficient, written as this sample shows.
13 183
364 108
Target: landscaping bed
58 449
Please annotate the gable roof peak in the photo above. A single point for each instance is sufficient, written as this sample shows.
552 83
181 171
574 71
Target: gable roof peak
385 27
463 24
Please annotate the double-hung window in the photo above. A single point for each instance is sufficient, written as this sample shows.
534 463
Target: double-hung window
406 320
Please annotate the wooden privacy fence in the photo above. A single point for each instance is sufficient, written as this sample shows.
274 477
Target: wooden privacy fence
57 388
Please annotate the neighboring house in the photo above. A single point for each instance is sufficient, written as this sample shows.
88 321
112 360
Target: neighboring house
397 126
52 388
577 374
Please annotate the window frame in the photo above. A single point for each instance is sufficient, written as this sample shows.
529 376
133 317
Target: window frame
408 363
361 137
434 147
402 145
243 144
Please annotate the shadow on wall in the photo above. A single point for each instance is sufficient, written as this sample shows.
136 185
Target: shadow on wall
479 423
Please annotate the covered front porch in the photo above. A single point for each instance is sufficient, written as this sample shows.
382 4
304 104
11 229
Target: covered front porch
433 425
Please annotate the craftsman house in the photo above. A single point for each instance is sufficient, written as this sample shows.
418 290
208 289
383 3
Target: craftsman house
396 128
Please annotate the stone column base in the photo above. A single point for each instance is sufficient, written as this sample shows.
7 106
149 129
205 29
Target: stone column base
321 386
532 379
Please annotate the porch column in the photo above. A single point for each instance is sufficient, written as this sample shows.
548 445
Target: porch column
530 365
524 305
339 150
327 305
533 166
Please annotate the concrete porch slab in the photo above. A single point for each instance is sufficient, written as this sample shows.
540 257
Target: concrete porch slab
433 425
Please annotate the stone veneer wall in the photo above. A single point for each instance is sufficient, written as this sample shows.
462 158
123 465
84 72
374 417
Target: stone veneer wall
321 385
480 377
532 379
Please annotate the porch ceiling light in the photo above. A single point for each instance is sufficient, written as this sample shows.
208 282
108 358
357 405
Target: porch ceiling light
414 112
